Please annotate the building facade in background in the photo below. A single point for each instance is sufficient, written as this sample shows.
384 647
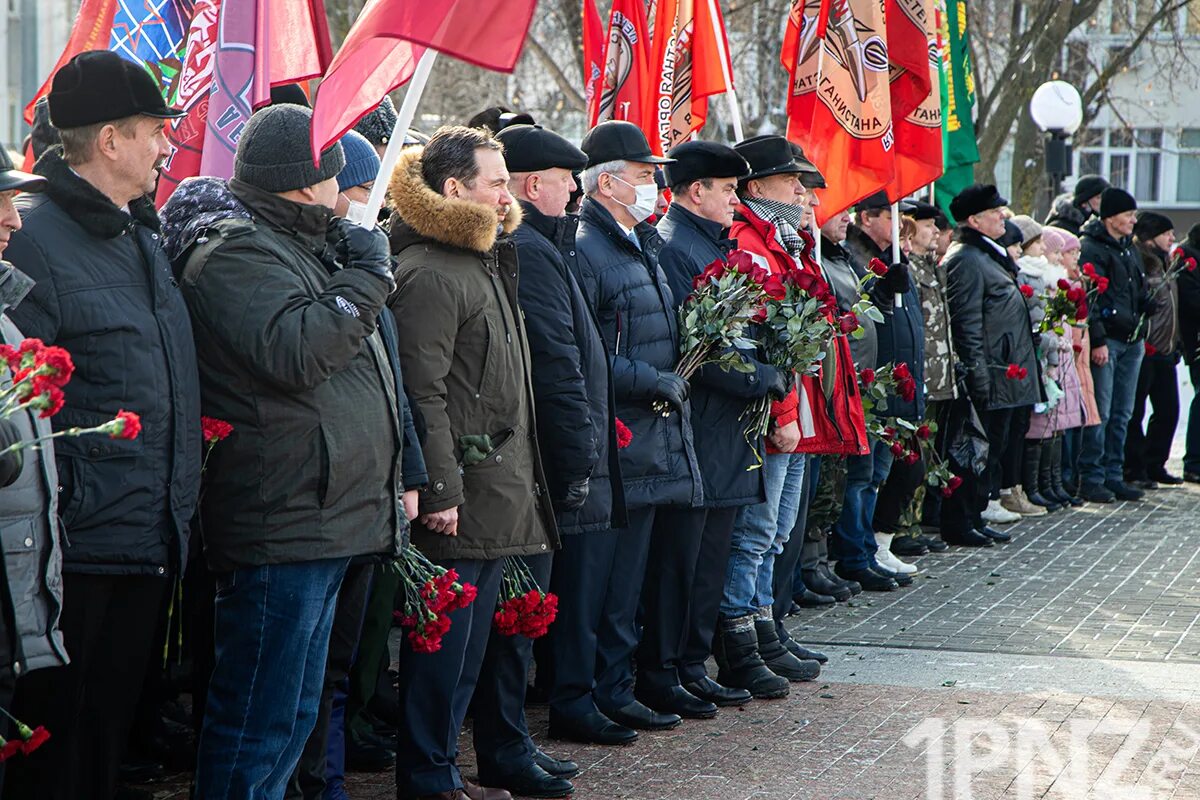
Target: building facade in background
34 33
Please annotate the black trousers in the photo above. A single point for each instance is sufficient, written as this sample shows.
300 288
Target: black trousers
308 781
896 494
1147 453
1012 457
8 684
598 580
502 743
708 583
675 543
962 511
436 688
108 624
939 412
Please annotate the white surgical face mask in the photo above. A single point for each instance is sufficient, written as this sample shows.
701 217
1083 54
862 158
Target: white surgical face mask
645 203
356 212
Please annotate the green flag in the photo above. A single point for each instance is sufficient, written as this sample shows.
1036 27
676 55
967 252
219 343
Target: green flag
959 148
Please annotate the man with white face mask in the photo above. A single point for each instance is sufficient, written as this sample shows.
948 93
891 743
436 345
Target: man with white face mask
357 178
622 282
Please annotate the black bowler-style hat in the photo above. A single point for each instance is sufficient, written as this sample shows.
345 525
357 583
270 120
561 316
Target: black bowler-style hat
12 179
532 148
699 160
769 154
617 140
879 201
99 86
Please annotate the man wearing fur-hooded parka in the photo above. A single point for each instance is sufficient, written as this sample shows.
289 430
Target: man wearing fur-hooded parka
466 366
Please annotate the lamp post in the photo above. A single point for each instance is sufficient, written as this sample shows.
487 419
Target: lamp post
1057 109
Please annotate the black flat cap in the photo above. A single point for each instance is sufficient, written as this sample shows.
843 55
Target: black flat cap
1087 187
617 140
99 86
697 160
922 210
879 201
768 154
530 148
976 199
12 178
1115 201
1150 224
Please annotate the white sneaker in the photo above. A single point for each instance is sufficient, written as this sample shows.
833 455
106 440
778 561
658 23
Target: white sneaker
998 514
887 559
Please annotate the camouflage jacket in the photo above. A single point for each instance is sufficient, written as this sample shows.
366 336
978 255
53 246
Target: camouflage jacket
930 278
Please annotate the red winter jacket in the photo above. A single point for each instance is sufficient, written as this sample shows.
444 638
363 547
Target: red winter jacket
828 426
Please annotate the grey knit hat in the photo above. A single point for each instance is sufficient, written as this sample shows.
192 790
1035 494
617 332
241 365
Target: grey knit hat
1030 229
377 125
275 155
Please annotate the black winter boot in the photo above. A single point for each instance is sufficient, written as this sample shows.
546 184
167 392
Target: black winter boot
738 662
1061 492
778 658
1046 474
1030 472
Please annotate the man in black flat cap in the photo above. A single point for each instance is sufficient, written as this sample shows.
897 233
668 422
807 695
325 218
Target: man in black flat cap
617 267
1072 210
681 598
989 322
105 292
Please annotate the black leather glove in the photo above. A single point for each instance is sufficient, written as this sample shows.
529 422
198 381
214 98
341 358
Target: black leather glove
896 280
1037 339
365 248
777 385
672 388
575 496
10 463
1149 306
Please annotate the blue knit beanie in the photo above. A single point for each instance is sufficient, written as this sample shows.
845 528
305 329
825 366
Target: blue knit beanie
362 162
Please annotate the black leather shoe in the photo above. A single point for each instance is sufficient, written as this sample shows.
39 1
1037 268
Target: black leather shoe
932 543
675 701
532 781
364 754
556 767
967 539
994 535
804 654
828 573
870 581
1096 493
1165 478
708 689
815 580
909 547
1123 491
810 599
636 715
591 728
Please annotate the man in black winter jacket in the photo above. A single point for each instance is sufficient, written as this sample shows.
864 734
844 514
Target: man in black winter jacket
105 292
1117 332
682 597
1072 210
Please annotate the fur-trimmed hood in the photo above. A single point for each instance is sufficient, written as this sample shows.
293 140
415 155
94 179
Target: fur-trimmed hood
85 204
457 223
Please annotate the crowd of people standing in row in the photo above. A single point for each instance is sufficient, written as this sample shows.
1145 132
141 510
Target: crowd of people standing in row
457 376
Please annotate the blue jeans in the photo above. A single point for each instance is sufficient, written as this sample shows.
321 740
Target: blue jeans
1072 442
853 540
759 534
272 627
1102 457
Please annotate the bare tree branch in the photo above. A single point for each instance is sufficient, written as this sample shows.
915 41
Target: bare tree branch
568 89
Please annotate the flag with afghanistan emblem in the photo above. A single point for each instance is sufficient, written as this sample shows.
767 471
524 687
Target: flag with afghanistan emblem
625 84
919 132
593 50
960 149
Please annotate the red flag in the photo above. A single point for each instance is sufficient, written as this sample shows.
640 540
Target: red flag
919 134
839 103
593 50
908 43
92 30
625 86
388 38
691 58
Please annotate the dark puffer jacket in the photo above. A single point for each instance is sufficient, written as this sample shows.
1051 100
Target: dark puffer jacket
572 379
1189 304
989 321
1066 215
291 357
1115 313
719 398
105 292
630 297
902 332
843 276
1161 328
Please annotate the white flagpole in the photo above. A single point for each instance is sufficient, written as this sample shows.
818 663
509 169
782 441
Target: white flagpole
404 119
735 114
898 300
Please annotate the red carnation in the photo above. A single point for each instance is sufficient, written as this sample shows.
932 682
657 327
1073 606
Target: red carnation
867 376
1077 347
1013 372
1151 349
878 267
1026 290
1190 264
1024 373
11 355
848 322
1064 284
624 435
11 748
924 432
130 425
34 346
1089 269
214 430
1076 294
1101 284
37 737
50 401
59 363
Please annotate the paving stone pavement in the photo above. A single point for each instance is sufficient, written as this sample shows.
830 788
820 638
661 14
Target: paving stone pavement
1064 665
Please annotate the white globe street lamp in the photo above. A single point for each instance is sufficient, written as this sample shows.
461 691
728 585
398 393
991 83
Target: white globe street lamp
1057 109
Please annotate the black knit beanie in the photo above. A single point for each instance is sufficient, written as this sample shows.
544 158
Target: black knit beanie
274 152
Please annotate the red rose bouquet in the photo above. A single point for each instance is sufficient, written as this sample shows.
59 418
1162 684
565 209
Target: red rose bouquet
431 592
522 608
878 386
1065 305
